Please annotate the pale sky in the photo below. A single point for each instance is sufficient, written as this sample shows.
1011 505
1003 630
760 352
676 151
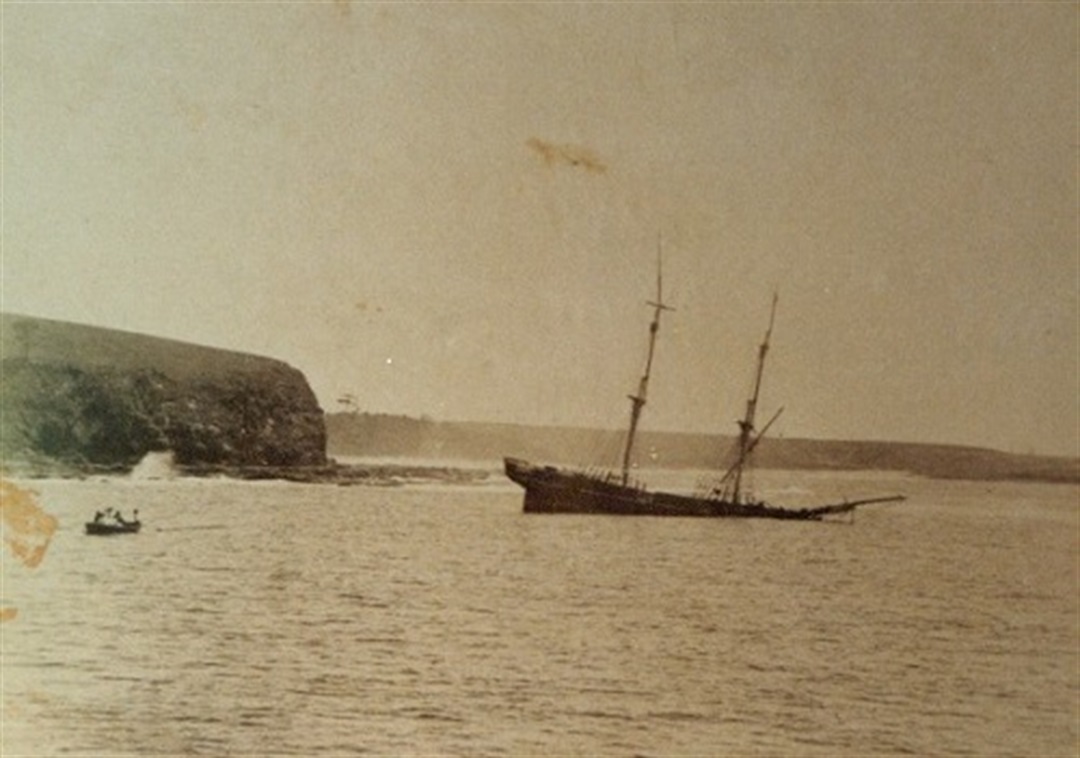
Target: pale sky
453 209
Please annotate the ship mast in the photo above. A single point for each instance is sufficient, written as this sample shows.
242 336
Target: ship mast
637 402
746 425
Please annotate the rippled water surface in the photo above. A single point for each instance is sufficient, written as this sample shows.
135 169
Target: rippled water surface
273 618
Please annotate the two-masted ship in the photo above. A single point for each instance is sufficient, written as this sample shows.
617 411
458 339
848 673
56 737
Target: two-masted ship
551 489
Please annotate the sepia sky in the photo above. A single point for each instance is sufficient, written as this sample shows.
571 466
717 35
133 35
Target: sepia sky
453 209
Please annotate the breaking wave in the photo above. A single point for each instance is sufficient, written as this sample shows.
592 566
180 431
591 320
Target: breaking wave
155 465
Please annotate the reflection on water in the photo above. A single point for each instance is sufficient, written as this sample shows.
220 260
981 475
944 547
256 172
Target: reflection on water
269 618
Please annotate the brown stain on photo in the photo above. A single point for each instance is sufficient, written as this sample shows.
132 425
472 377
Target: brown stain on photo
574 156
27 529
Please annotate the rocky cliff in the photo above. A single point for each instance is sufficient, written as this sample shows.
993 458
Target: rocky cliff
88 397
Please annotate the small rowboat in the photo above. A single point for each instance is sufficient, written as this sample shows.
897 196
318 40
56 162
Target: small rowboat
105 528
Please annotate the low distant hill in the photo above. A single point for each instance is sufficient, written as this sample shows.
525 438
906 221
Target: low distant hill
382 435
85 396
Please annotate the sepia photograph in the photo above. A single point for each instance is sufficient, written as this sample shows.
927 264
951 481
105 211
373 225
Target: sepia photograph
539 379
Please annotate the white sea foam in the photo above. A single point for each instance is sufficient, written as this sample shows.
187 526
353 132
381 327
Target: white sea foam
155 465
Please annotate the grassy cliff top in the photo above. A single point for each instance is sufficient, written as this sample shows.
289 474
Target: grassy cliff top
45 341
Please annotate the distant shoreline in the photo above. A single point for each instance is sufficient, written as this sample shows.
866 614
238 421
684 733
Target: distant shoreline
376 474
381 473
367 436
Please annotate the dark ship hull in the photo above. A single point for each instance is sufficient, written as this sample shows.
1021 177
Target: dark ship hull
552 490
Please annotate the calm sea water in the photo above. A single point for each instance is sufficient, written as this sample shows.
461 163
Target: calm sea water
274 618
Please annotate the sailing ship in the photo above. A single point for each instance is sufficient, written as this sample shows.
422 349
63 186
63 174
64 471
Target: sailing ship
551 489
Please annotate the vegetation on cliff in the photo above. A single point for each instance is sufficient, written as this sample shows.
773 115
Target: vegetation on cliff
81 396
